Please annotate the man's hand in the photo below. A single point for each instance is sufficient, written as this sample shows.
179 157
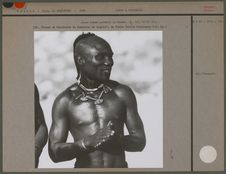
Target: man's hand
100 137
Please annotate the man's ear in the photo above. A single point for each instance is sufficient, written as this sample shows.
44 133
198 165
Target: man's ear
81 60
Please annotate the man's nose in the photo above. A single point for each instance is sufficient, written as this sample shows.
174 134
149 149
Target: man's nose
108 61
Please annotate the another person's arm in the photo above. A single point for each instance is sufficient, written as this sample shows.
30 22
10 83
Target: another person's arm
59 150
41 134
136 140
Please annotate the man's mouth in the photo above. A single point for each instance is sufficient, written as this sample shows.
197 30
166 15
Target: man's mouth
106 70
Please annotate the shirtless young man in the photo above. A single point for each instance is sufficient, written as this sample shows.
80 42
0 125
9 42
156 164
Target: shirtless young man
95 110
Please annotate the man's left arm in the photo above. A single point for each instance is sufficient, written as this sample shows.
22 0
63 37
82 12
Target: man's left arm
136 140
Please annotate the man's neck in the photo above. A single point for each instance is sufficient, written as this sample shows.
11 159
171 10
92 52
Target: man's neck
88 83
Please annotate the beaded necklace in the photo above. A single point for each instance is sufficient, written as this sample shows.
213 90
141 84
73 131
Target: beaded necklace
86 92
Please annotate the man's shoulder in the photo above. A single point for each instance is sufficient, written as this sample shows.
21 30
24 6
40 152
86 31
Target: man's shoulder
120 89
67 94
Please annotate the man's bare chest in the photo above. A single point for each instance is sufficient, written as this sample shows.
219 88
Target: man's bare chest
82 113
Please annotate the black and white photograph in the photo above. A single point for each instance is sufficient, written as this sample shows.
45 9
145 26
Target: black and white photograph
98 99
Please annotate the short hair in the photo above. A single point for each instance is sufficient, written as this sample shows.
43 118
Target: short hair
77 40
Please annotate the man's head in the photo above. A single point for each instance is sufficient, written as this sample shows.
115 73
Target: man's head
93 57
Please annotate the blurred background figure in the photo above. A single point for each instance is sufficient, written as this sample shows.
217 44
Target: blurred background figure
41 132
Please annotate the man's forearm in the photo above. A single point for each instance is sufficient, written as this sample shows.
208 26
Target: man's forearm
133 143
67 151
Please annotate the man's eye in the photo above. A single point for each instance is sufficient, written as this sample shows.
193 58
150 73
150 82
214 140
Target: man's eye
100 57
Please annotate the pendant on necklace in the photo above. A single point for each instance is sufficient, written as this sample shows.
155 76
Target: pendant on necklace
98 101
84 98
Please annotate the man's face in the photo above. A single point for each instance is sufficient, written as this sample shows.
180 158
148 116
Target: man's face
97 56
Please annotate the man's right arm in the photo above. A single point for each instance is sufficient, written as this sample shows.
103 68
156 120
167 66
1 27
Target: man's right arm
59 150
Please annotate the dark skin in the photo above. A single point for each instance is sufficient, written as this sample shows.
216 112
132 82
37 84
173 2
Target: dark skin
98 127
41 132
